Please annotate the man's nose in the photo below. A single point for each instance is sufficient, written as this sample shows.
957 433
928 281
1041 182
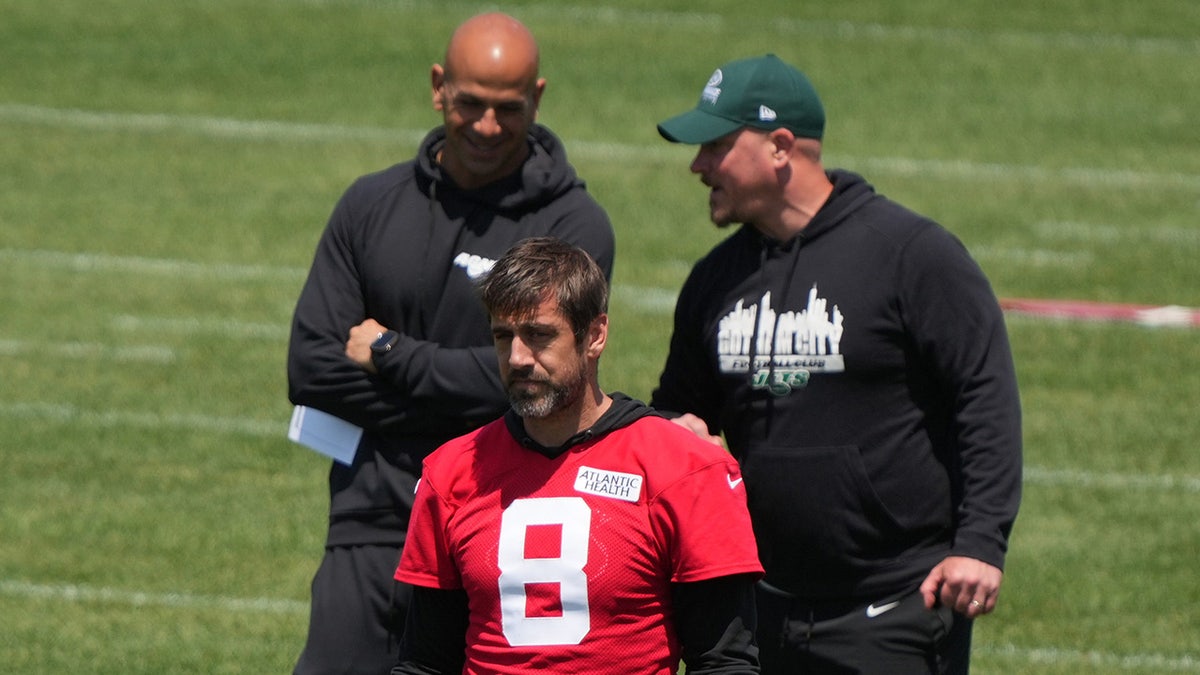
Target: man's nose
487 124
519 354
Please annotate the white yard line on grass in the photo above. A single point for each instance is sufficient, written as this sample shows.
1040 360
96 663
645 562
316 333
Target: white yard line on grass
155 354
62 413
660 300
603 14
625 152
230 328
105 262
58 413
1033 257
656 299
1159 663
1115 481
77 593
1049 40
1096 233
218 127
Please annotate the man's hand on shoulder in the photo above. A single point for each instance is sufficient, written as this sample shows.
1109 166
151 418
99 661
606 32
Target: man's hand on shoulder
697 426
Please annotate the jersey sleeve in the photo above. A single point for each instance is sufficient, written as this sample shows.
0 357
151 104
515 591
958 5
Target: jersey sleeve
705 521
426 560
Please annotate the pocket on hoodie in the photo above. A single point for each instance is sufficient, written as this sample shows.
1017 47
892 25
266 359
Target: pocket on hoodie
815 504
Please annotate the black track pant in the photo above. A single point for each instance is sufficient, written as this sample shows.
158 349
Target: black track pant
894 635
357 613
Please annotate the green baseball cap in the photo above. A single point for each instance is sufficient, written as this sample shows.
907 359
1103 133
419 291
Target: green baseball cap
761 92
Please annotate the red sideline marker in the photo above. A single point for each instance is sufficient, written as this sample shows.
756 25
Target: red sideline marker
1144 315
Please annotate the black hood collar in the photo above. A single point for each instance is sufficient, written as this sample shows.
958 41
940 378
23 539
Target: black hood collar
623 412
544 176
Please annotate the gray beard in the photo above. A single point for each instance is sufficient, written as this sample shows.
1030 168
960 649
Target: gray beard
540 406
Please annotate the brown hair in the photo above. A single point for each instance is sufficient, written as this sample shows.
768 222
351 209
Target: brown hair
540 268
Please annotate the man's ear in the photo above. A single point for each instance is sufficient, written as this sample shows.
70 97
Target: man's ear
539 88
597 337
437 80
783 144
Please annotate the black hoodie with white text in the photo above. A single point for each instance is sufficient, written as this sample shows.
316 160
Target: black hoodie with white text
861 373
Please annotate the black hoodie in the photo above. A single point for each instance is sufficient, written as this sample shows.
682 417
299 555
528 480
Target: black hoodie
405 246
862 375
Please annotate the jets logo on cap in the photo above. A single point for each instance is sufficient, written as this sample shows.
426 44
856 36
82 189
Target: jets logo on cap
712 90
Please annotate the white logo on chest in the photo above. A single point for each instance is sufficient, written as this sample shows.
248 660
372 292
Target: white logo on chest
475 266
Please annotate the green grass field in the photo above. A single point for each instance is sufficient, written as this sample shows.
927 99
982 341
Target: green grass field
167 167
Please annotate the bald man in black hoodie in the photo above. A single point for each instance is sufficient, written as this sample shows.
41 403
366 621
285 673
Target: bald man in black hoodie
389 334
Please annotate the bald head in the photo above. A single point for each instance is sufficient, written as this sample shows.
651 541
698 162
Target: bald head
495 48
488 91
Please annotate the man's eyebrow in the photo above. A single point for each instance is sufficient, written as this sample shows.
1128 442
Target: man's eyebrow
536 325
468 97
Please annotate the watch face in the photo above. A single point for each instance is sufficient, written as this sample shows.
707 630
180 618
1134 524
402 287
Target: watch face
385 341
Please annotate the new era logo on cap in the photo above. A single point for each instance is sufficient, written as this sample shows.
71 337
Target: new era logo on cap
765 114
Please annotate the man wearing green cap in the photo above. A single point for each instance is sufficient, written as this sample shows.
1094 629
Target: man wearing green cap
855 359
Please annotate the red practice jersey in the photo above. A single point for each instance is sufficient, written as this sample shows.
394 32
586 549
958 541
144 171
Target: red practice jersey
567 562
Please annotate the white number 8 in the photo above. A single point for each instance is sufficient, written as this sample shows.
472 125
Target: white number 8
573 514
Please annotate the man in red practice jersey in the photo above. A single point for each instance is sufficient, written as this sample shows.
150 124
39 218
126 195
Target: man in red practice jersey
581 532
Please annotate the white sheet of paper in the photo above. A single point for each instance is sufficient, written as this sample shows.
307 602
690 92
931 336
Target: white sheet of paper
329 435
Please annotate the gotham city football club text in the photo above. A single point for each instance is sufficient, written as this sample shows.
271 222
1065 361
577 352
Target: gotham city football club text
781 349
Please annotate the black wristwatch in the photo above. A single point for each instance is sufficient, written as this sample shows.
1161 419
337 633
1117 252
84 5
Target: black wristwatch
384 343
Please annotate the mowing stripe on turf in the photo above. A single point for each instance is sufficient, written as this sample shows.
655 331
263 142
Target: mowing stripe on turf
221 127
